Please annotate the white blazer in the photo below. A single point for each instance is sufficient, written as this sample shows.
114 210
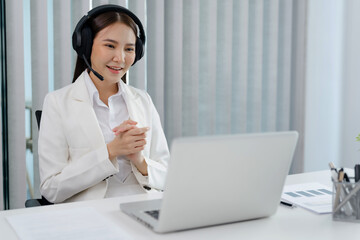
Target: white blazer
73 157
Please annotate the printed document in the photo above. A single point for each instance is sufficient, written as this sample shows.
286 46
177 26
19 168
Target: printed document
81 223
315 197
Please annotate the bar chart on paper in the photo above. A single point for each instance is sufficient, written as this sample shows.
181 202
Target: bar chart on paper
315 197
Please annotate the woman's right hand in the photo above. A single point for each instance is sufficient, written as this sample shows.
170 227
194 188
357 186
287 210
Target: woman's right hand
129 139
125 126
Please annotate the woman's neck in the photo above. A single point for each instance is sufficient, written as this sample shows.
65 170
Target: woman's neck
104 88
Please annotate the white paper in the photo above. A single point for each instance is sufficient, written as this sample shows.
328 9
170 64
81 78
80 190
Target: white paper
81 223
315 197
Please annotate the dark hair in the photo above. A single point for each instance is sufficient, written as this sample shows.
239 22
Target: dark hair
97 24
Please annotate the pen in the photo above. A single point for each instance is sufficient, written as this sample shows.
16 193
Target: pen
357 178
341 175
287 204
341 192
332 166
357 172
334 173
337 182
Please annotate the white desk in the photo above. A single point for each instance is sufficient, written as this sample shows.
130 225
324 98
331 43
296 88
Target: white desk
287 223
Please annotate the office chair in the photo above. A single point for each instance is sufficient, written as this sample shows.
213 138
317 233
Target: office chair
39 201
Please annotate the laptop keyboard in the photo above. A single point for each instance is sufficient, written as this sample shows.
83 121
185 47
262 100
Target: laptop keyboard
154 213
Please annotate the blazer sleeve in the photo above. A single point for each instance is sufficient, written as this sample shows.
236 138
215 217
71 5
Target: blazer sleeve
157 157
66 171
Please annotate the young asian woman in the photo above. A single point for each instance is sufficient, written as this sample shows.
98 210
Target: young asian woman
100 137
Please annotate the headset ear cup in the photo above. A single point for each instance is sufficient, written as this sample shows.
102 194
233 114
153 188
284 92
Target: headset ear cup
86 42
139 50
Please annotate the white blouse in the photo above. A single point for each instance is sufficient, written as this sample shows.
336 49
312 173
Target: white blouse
109 117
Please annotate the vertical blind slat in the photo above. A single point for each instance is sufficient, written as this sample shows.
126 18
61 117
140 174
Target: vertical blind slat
284 66
16 103
63 70
190 68
223 67
270 60
78 10
119 2
155 54
96 3
137 72
207 69
298 92
173 68
240 66
39 70
255 59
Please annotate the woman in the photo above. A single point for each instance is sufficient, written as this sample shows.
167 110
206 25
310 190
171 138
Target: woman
100 137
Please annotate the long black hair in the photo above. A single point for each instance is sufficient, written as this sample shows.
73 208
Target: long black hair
97 24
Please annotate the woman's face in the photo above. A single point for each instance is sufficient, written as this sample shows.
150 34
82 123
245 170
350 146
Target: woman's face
113 52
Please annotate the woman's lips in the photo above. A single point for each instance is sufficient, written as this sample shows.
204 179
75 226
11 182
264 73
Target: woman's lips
114 69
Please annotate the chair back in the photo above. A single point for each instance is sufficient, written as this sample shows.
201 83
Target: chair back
43 201
38 117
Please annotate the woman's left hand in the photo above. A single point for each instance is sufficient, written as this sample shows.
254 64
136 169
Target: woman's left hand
126 128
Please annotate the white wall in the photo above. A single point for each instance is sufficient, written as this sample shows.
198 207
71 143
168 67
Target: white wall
323 84
350 110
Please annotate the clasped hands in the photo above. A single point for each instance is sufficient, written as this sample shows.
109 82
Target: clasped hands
129 141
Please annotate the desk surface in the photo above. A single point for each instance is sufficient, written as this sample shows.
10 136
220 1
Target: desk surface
287 223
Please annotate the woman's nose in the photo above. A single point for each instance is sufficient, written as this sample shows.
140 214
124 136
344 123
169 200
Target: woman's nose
119 57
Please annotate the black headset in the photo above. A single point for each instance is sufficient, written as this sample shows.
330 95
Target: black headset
82 38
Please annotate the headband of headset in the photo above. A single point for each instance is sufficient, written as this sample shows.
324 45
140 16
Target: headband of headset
82 38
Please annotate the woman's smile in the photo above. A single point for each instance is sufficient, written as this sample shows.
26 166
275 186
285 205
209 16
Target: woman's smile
115 70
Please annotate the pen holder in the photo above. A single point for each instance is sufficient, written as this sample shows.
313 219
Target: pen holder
346 201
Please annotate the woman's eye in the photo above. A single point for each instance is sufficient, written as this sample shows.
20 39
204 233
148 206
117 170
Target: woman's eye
110 46
130 49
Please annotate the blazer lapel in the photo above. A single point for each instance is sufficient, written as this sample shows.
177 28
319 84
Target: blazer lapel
135 107
86 117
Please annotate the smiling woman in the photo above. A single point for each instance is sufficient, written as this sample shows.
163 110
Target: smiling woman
100 137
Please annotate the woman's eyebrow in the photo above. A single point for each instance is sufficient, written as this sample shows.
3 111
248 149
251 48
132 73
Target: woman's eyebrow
110 40
116 42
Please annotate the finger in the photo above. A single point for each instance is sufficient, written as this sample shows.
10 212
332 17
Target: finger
123 128
138 131
138 148
139 143
125 123
135 140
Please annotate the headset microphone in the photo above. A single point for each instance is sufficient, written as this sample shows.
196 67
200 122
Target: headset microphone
96 73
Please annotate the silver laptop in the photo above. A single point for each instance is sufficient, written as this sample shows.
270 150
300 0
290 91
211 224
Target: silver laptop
219 179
